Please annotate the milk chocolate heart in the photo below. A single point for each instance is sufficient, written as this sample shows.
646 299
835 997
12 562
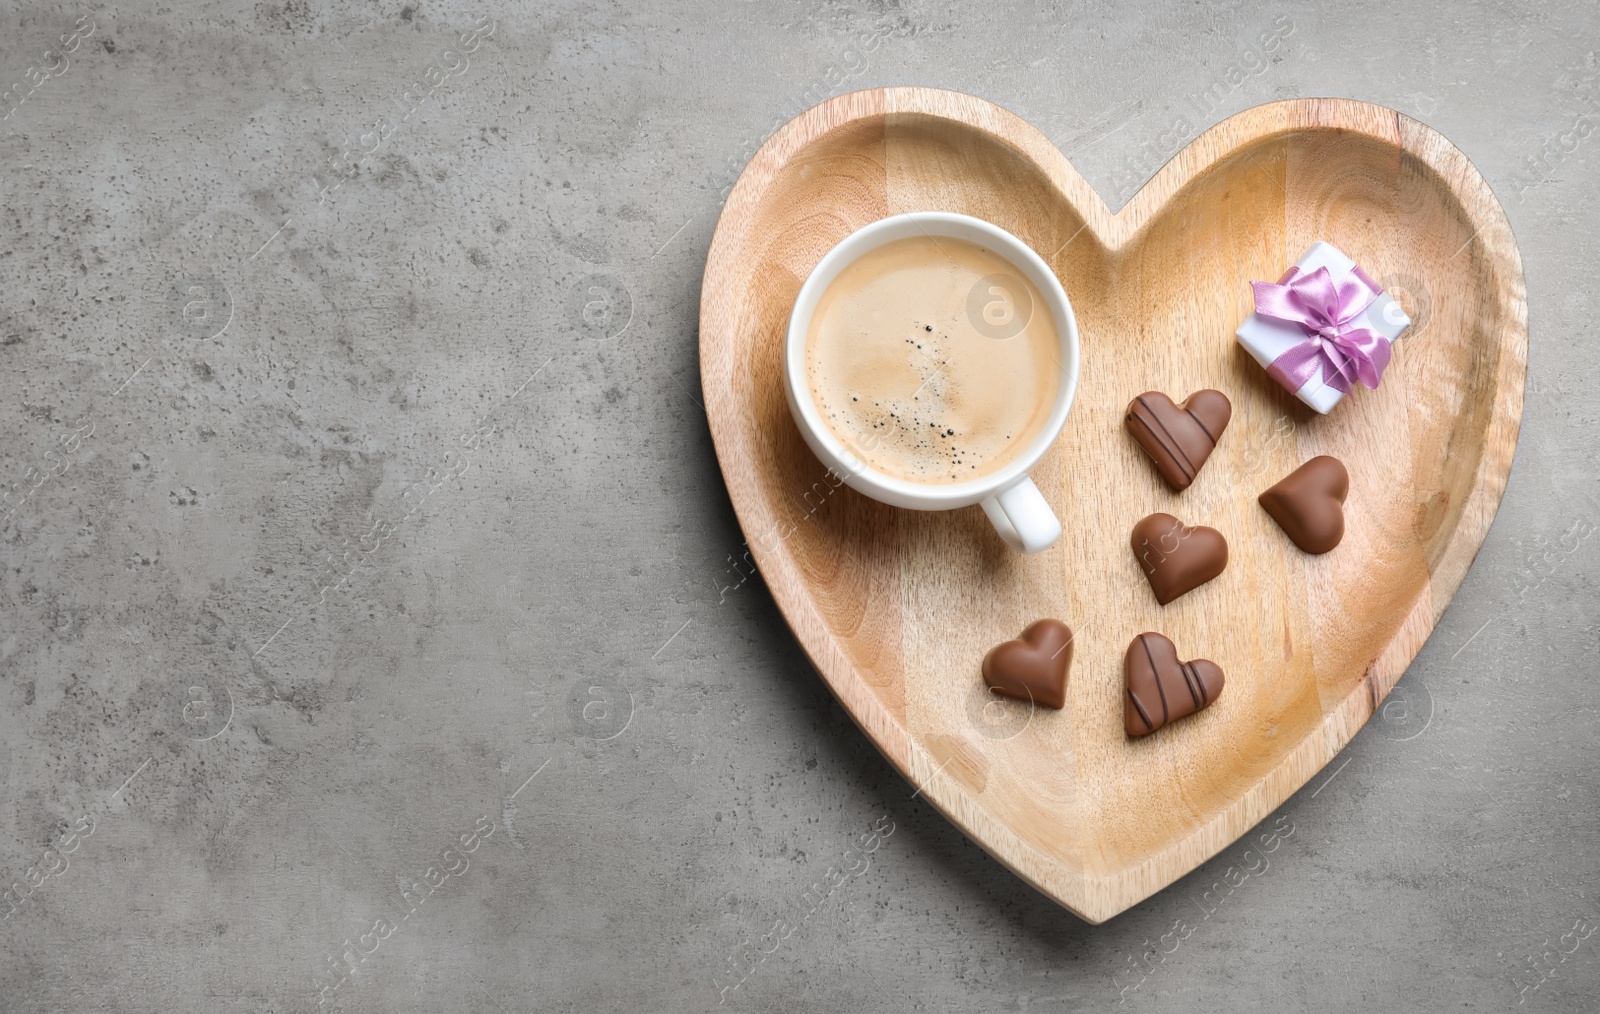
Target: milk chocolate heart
1034 667
1176 558
1162 689
1308 504
1178 438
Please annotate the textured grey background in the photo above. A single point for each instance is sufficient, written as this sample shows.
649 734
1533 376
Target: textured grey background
280 639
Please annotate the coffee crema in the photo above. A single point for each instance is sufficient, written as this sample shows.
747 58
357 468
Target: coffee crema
933 360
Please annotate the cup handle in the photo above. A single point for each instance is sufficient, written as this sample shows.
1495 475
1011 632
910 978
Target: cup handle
1022 517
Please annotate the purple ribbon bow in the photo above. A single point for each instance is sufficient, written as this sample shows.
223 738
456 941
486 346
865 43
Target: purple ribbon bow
1323 309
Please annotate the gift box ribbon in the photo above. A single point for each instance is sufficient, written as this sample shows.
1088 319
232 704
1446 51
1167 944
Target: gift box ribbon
1324 309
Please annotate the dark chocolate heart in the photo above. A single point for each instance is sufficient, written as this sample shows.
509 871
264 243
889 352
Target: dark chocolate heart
1162 689
1034 667
1176 558
1308 504
1179 438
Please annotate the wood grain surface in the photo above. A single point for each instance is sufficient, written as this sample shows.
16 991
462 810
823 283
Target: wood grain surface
897 608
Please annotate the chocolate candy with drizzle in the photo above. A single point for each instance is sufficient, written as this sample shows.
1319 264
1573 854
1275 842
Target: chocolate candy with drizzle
1161 689
1179 438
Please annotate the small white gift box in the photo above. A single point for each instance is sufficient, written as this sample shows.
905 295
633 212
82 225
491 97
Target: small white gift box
1268 338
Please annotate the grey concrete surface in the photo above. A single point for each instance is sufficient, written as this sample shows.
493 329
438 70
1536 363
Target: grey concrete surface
361 593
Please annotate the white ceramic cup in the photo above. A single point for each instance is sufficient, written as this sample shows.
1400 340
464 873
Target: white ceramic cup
1013 503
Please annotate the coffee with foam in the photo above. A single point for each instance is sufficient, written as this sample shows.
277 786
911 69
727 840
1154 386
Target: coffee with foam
932 360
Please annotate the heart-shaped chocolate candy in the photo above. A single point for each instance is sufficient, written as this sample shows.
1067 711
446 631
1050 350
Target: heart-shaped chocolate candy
1162 689
1176 558
1308 504
1178 438
1033 667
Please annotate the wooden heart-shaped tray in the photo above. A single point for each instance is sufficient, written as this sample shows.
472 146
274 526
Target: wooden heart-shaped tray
897 608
